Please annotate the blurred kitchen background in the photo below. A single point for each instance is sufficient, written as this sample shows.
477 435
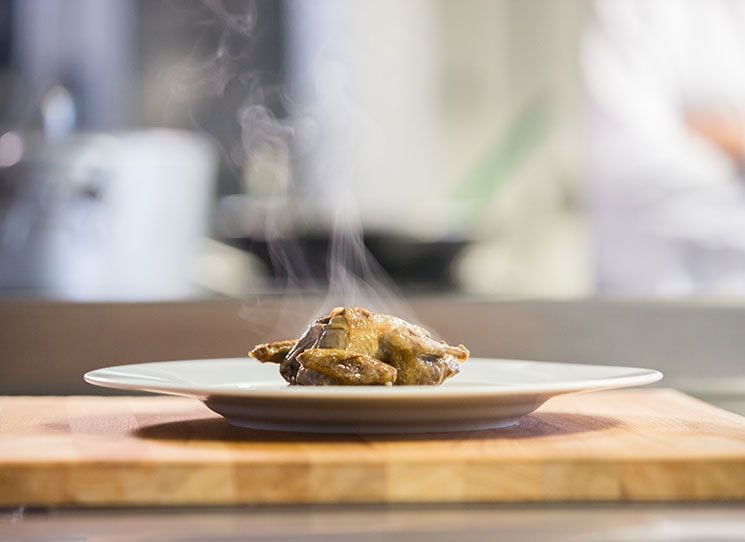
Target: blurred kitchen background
152 149
149 149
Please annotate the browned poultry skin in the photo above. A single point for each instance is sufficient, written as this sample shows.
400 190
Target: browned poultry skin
418 358
350 345
343 367
272 352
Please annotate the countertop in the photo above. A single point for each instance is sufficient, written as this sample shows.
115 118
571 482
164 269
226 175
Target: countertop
401 523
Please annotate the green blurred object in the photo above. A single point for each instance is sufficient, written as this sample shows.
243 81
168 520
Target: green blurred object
526 131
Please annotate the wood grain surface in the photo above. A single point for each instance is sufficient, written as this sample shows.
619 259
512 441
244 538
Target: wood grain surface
631 445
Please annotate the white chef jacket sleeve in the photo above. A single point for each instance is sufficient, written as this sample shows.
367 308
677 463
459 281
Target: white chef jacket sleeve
641 155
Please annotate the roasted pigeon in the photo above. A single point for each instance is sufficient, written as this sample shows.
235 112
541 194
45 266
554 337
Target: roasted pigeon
353 346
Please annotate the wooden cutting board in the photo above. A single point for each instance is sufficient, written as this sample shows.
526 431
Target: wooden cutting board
634 445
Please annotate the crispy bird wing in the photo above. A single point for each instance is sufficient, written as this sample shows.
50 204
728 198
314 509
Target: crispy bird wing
272 352
344 367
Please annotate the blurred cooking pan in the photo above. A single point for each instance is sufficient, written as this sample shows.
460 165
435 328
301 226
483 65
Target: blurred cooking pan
411 262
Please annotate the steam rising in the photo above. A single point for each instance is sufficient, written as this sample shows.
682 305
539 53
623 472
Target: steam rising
274 126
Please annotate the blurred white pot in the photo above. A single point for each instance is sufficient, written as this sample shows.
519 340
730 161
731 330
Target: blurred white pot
106 216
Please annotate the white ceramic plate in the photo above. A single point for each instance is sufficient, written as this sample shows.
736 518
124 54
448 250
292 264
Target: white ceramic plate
488 393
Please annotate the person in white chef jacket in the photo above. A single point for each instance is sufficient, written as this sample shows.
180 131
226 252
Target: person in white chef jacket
665 141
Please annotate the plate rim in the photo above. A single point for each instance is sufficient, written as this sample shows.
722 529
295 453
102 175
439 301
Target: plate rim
340 393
